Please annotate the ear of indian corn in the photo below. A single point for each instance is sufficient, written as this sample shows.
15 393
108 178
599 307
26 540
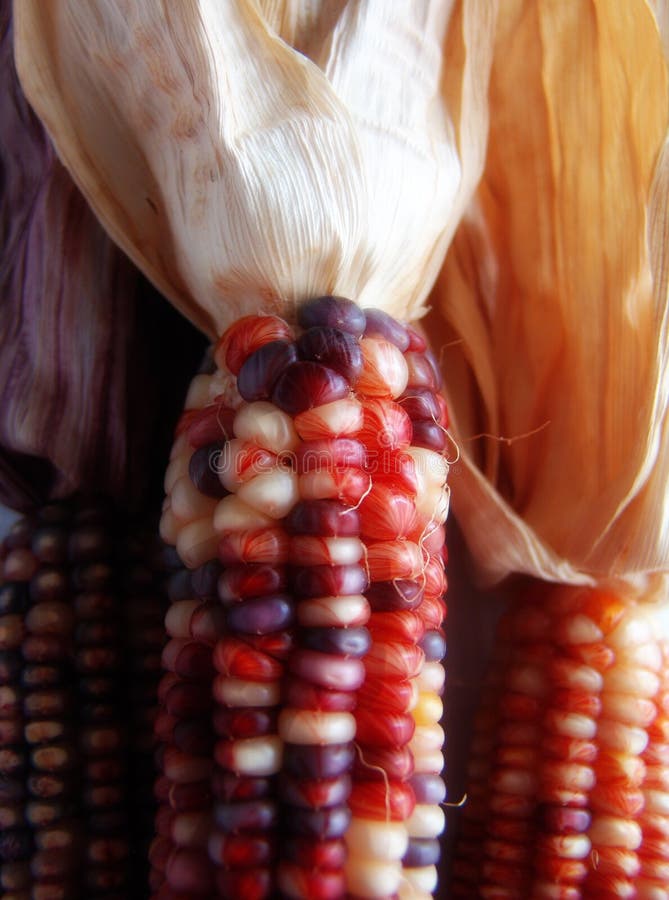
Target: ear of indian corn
307 488
80 632
568 796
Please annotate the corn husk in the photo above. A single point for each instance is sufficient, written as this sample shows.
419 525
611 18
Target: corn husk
552 305
248 155
86 401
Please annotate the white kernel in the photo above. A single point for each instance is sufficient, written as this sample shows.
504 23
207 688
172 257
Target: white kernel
257 756
336 419
237 692
372 838
425 878
188 504
432 677
169 526
306 726
622 738
178 616
177 468
633 629
573 725
429 762
426 821
334 612
311 550
427 708
579 629
273 493
197 542
232 514
372 878
198 392
427 738
657 802
567 846
628 709
612 831
632 680
267 426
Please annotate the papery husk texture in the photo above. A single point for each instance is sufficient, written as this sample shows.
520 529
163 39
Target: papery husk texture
551 308
248 155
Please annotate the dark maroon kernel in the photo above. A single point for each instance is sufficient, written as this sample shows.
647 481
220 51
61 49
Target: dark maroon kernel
228 786
417 342
194 661
394 596
204 579
302 695
304 385
324 455
261 370
353 642
89 544
325 518
203 470
14 598
187 699
233 884
420 403
428 788
193 736
436 371
15 844
95 605
49 584
314 793
34 676
381 325
329 581
314 761
323 824
93 577
333 348
96 632
262 615
244 723
421 852
252 815
50 545
332 312
429 435
250 580
192 795
433 645
11 662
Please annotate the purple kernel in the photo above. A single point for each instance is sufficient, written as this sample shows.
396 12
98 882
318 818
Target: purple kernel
333 348
421 852
560 820
202 470
260 370
204 579
229 786
325 518
314 793
429 435
393 596
179 586
304 385
420 403
436 371
332 312
433 645
322 824
421 372
253 815
312 761
380 324
428 788
261 616
353 642
329 581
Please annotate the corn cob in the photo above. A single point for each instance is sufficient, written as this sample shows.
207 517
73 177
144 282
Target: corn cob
568 796
308 479
74 764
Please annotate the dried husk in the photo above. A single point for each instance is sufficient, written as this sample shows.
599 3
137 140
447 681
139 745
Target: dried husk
247 155
552 304
86 397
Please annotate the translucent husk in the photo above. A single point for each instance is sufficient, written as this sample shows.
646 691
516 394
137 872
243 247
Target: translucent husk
552 304
240 174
